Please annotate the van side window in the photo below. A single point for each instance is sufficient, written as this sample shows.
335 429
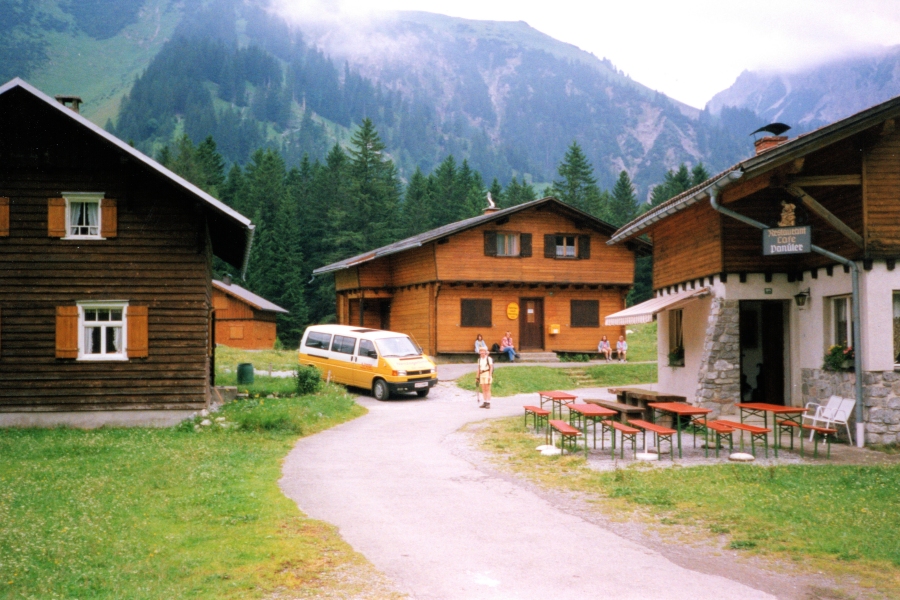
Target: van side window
343 344
318 340
367 348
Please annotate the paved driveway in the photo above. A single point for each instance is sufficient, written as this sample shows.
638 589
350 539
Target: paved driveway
407 491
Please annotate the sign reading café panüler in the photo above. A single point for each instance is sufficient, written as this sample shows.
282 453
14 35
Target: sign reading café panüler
787 240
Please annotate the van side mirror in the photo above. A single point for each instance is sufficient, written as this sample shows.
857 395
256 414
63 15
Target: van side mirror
371 354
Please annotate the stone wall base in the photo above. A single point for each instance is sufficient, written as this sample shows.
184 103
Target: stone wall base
881 399
95 419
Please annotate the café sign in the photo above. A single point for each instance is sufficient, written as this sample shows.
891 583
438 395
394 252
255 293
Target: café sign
787 240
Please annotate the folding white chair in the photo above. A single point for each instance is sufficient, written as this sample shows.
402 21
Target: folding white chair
836 412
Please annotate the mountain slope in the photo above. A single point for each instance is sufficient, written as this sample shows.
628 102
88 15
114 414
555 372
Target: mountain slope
816 96
91 48
530 94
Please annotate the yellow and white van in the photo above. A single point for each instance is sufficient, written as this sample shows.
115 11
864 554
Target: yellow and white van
382 361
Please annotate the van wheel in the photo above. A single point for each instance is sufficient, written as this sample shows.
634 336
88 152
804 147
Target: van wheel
380 390
422 393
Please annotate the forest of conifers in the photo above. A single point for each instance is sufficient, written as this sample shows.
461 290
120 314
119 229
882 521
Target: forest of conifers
319 212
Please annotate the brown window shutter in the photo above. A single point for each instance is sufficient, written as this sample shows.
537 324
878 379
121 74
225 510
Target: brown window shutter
56 217
525 245
4 217
584 246
66 332
138 332
490 243
109 224
549 245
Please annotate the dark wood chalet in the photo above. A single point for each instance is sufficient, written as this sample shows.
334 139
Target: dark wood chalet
105 273
243 319
542 270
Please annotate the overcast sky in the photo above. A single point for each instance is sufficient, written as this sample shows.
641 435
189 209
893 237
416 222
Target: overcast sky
688 49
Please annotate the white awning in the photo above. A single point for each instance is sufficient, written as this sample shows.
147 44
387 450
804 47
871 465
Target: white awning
645 311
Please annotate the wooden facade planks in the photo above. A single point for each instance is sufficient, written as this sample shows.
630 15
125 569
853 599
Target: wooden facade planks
240 325
156 256
419 290
462 258
453 337
881 174
687 245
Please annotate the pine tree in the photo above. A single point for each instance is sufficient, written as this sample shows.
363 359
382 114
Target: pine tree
623 203
211 166
375 187
577 186
416 205
699 174
518 193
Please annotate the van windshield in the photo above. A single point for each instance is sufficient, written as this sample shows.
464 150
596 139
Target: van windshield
398 346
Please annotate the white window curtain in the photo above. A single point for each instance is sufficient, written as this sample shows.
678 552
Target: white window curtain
84 218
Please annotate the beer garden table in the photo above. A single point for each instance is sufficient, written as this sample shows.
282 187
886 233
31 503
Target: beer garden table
790 413
680 409
556 399
592 413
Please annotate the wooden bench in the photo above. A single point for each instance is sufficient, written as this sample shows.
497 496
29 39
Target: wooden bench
625 410
566 431
826 433
756 433
627 433
721 429
539 416
659 431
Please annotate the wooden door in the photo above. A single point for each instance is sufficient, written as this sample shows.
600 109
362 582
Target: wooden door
531 324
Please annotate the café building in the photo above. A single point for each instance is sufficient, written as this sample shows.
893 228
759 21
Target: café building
775 281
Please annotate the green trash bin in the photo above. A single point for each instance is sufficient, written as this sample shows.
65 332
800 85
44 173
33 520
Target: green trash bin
245 373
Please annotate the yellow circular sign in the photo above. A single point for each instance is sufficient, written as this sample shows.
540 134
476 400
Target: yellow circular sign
512 310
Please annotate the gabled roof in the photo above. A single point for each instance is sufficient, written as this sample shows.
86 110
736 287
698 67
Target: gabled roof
230 231
421 239
782 154
246 296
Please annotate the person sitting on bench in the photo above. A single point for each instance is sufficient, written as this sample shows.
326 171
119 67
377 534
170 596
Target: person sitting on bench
480 343
622 349
506 345
604 348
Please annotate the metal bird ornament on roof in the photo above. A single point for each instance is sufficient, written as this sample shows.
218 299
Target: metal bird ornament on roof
773 128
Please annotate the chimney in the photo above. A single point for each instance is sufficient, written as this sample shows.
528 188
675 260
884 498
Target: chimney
72 102
226 279
764 144
492 206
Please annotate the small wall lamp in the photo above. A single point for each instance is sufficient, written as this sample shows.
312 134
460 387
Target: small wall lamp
801 298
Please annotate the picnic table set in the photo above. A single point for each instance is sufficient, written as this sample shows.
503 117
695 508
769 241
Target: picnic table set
641 411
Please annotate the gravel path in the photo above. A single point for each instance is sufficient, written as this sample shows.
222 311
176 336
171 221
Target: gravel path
408 490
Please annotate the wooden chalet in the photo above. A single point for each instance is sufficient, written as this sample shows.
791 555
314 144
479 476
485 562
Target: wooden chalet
105 273
542 270
747 318
243 319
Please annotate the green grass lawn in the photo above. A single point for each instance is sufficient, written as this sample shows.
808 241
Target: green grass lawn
641 342
839 519
509 381
170 513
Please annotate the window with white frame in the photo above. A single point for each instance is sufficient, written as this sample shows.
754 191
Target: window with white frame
841 321
896 314
83 215
507 244
102 328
